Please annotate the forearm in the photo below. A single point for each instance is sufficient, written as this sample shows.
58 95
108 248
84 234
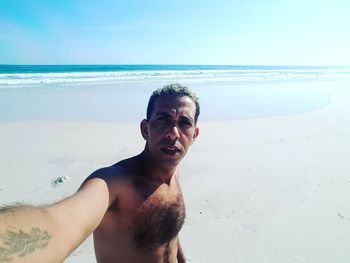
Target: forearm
27 235
50 234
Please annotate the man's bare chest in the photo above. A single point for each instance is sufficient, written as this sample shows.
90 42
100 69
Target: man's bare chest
158 221
150 221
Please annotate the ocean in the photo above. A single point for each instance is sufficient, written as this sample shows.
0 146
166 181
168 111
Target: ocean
121 92
12 76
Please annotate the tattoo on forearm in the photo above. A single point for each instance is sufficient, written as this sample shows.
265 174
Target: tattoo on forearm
21 243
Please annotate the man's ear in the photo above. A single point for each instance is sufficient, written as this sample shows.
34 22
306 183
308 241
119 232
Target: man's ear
195 135
144 129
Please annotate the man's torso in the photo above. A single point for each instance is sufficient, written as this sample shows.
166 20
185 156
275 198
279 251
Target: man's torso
143 220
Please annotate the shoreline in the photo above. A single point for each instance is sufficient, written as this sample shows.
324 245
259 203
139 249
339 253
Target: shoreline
219 101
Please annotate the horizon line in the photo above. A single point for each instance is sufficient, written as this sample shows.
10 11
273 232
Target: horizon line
156 64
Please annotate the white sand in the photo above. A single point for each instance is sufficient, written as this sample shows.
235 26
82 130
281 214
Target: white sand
259 190
271 190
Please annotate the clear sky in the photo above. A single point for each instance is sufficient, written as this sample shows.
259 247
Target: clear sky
246 32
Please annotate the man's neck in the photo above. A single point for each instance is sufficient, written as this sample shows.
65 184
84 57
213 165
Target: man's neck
155 171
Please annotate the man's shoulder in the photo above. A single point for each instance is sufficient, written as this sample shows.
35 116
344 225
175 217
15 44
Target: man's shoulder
108 174
120 179
113 170
122 171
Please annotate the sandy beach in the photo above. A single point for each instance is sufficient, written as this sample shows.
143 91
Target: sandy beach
269 187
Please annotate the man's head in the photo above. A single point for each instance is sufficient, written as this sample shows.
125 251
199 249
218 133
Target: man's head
170 127
176 90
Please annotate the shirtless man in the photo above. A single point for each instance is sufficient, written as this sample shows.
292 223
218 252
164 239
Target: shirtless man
136 204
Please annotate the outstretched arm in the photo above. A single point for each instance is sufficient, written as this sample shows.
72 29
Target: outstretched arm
50 234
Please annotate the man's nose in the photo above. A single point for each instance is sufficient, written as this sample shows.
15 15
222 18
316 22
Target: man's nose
173 133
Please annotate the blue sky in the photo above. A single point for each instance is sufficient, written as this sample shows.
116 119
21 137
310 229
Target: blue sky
251 32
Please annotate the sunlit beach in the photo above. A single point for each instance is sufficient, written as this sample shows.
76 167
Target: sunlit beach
174 131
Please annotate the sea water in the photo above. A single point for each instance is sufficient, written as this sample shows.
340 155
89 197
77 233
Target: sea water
120 92
24 75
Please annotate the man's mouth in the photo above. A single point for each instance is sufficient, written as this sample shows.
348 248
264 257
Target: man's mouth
170 150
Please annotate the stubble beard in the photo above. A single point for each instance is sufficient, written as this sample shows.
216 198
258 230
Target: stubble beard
158 158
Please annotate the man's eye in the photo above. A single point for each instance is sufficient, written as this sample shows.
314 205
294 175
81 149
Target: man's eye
186 123
162 119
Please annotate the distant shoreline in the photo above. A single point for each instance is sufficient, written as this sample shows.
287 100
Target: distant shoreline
21 75
111 102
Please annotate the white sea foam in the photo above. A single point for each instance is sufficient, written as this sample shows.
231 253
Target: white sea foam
22 79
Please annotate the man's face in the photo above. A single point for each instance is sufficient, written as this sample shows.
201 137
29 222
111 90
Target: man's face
171 129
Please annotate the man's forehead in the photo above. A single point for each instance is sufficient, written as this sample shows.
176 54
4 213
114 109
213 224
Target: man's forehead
171 103
175 105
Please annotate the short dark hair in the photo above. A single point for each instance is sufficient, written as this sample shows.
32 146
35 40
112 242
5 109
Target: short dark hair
174 89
